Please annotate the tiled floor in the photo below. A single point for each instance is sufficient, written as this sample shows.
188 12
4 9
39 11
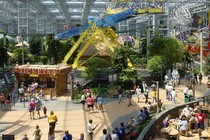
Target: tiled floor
72 118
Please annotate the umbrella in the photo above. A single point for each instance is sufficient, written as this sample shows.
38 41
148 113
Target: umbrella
21 43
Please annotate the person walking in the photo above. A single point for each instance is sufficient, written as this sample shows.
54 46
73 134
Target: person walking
154 98
2 98
100 102
37 133
25 137
8 102
31 108
52 119
51 134
83 101
67 136
38 106
146 94
106 136
90 104
90 129
82 136
173 95
129 96
119 91
200 76
138 92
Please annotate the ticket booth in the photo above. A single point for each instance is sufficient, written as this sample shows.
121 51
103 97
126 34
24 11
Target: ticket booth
47 76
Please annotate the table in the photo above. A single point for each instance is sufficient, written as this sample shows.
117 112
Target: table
170 130
176 123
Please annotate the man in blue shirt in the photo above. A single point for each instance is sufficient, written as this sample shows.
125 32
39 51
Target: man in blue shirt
67 136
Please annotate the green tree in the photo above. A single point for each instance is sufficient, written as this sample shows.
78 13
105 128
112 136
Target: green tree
17 55
156 65
3 53
119 58
170 48
35 45
187 58
207 65
94 68
53 49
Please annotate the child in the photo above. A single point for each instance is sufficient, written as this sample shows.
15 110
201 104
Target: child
45 111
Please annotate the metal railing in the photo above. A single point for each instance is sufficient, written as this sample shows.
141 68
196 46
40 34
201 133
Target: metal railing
53 93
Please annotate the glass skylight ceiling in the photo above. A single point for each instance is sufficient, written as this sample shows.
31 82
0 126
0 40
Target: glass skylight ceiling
68 10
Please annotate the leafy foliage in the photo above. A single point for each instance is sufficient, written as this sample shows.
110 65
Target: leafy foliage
119 58
17 55
94 68
170 48
207 66
156 65
3 53
35 45
54 47
187 58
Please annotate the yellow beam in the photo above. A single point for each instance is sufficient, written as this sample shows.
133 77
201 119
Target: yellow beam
76 60
72 50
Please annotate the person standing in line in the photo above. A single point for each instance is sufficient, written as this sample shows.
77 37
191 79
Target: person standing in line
52 119
120 91
37 133
90 129
51 134
200 76
67 136
83 101
138 92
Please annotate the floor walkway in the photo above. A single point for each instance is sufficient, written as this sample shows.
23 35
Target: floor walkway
72 118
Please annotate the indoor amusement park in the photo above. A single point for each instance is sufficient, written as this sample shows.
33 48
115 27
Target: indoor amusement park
105 69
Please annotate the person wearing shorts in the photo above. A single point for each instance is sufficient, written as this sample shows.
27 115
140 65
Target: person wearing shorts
120 91
31 109
83 101
90 104
2 102
8 102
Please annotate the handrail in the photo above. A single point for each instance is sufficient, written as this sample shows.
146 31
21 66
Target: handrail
53 93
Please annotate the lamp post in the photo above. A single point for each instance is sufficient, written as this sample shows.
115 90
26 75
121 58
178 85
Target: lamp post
201 52
22 48
72 84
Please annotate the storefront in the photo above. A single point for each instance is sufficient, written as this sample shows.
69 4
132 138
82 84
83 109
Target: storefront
47 76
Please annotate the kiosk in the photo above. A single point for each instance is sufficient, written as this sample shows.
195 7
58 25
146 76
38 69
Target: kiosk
47 76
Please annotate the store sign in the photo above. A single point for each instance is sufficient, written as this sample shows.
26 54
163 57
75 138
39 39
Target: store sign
35 71
34 75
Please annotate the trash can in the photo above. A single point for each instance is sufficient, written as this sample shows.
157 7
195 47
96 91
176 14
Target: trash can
187 98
